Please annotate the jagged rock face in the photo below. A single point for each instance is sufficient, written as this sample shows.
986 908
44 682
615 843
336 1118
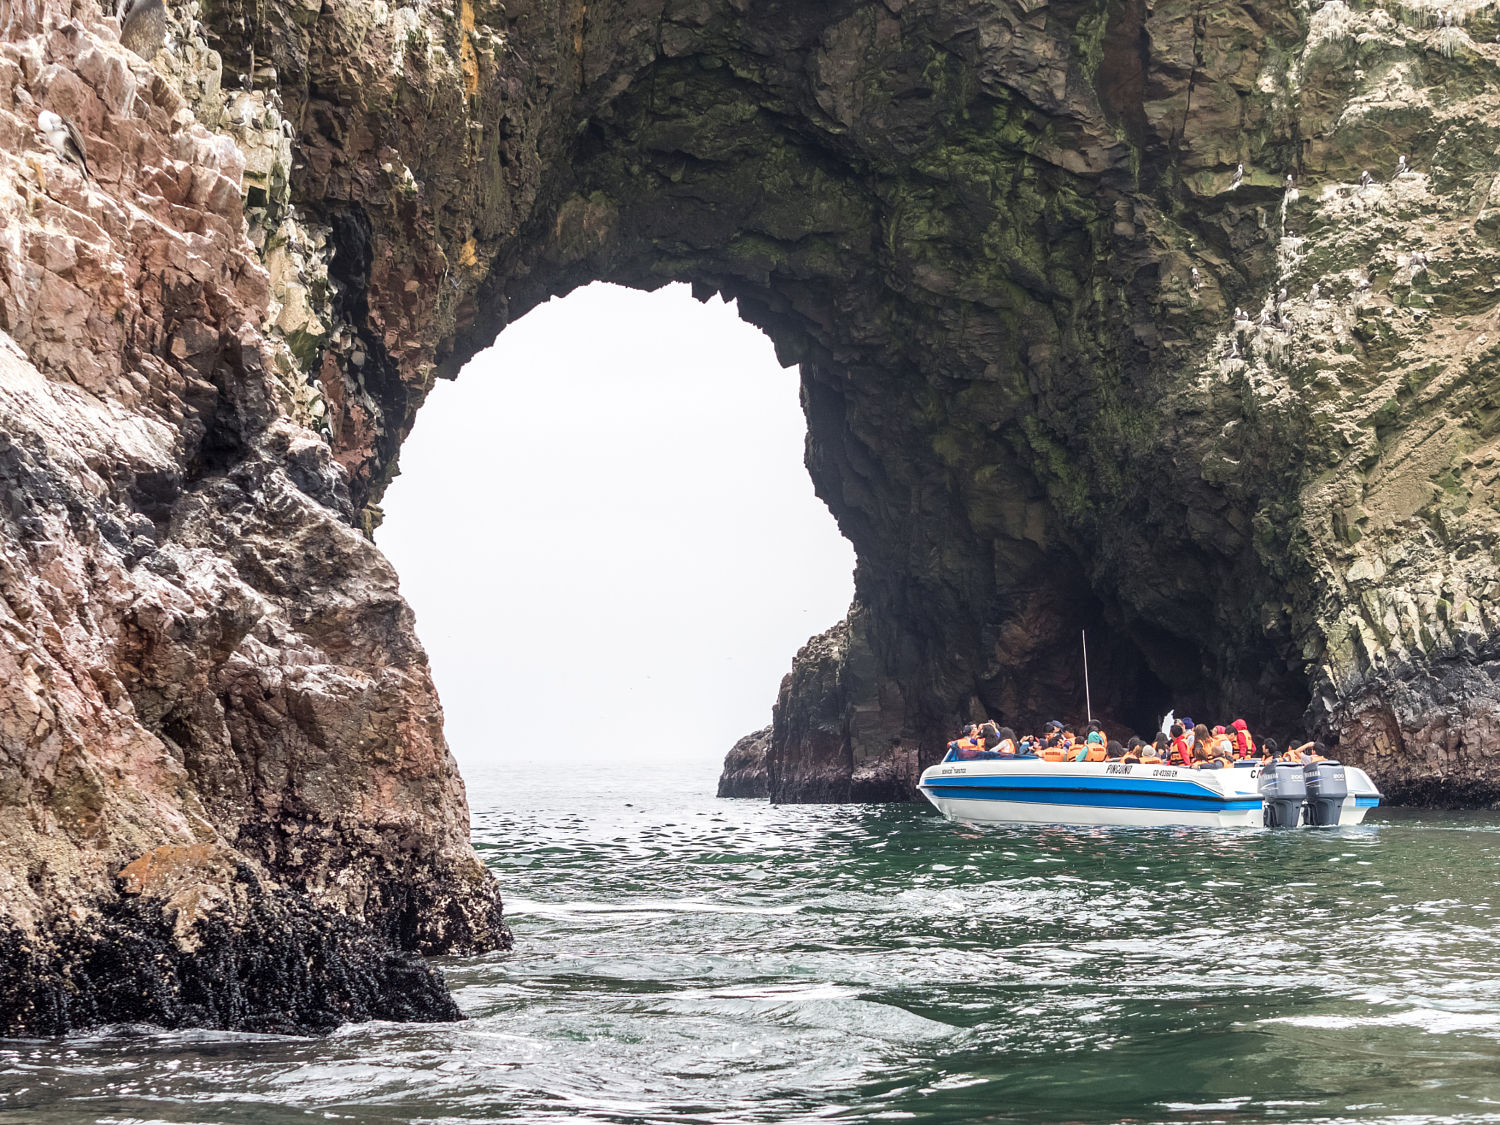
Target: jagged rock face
975 225
198 649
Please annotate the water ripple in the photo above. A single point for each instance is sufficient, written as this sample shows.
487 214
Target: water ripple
681 959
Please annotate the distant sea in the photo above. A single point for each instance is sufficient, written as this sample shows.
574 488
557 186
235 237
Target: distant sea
684 959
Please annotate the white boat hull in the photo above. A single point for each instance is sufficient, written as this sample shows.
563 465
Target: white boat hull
1031 791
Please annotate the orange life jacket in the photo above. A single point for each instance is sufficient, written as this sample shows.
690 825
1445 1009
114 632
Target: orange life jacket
1244 745
1292 755
1097 752
1005 746
1149 756
1131 758
965 747
1052 754
1182 752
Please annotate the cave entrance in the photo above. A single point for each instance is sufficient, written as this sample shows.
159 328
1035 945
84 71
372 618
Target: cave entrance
607 533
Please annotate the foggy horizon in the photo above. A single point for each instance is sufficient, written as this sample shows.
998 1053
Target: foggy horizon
607 533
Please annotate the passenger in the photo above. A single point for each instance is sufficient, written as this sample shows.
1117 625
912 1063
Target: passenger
1052 733
1181 751
1244 745
1268 751
1096 744
1202 736
1132 755
1188 726
1154 753
1223 745
1318 752
1208 754
991 735
1005 745
1294 753
1052 751
1030 744
1115 752
968 745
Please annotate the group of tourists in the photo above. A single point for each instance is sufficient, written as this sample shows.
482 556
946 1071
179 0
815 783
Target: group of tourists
1182 743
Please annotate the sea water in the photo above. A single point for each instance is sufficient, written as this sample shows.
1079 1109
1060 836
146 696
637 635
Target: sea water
685 959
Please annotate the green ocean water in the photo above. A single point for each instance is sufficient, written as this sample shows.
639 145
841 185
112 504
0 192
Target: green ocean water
680 958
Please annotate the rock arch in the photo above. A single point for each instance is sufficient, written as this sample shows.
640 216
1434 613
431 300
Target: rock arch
976 225
969 224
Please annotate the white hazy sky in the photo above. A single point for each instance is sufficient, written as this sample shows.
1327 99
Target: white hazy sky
608 535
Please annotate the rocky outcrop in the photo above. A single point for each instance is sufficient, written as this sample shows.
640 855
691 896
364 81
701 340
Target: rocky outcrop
201 653
1004 240
745 766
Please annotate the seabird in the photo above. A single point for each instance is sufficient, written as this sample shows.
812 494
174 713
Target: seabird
1241 316
65 139
1312 294
1265 319
1281 296
1197 280
1417 262
1234 349
1284 322
1290 182
143 26
1365 179
1364 283
1238 177
1401 166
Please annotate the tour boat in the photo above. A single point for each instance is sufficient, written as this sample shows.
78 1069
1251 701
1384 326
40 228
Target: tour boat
1026 790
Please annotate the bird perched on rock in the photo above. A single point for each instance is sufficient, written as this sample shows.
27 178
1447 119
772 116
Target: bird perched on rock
1417 262
1291 181
1264 320
1234 349
1238 178
1312 294
1364 283
65 140
1284 322
1197 279
1365 179
1281 296
143 26
1401 166
1241 316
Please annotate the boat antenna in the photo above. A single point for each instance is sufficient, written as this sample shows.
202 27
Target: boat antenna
1088 702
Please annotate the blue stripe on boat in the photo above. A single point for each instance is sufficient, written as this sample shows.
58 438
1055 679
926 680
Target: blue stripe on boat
1366 802
1114 783
1093 796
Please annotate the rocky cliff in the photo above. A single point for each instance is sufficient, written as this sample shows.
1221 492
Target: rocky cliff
1005 241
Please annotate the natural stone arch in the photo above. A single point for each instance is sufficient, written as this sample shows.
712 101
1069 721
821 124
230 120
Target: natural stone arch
973 223
958 219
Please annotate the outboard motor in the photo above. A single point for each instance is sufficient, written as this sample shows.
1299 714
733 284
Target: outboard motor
1326 790
1283 789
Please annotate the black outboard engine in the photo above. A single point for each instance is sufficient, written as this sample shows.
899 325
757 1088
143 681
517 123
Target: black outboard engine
1326 790
1283 789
